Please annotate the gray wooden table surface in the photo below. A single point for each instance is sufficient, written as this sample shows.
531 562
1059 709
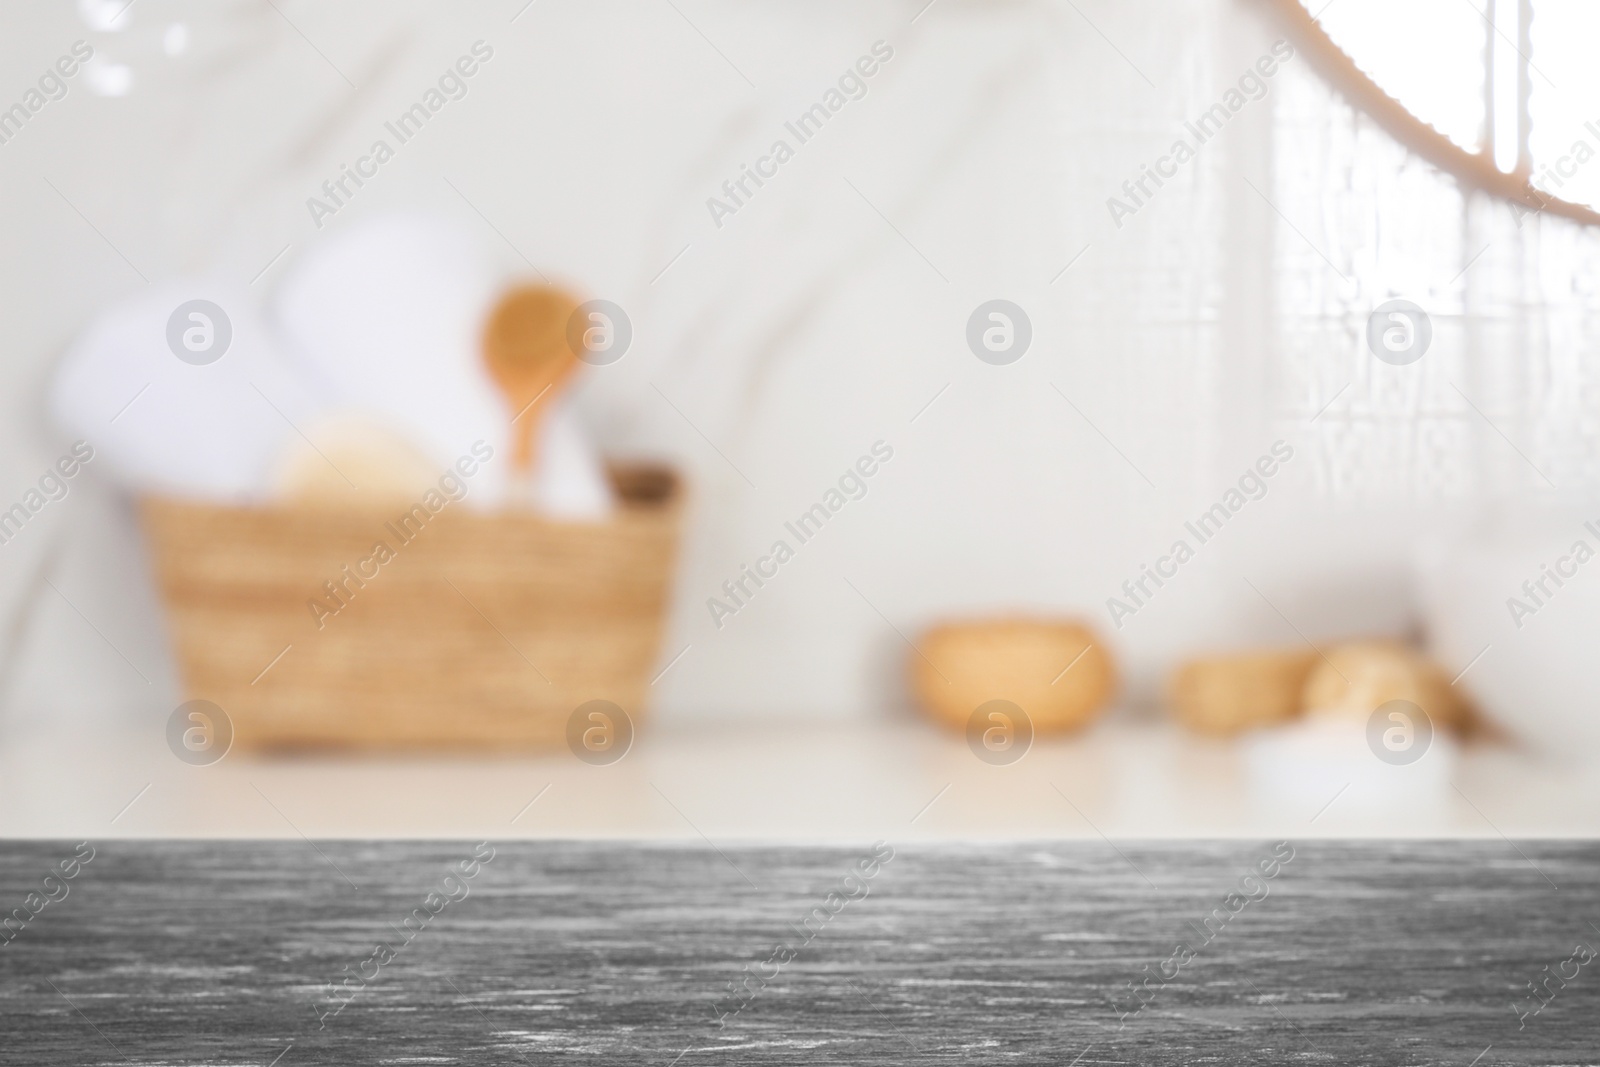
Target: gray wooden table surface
430 953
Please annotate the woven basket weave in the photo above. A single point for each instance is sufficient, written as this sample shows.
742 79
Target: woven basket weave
485 630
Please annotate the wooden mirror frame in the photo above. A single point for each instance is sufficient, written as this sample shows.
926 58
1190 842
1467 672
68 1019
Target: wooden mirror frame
1472 169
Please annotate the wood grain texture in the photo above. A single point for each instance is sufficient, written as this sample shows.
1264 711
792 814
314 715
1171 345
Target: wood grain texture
219 953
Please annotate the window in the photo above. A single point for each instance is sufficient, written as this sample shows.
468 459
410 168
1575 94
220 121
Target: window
1500 93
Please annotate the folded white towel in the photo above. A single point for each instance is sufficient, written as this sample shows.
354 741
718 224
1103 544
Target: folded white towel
389 311
146 386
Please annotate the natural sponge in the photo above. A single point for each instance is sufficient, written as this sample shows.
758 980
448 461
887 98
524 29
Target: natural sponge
1359 677
1058 671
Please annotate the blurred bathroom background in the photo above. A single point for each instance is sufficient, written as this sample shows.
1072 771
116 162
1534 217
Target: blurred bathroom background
773 345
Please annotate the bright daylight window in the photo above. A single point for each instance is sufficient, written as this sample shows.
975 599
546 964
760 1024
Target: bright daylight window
1509 82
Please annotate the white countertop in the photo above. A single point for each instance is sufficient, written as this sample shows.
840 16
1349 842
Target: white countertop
814 783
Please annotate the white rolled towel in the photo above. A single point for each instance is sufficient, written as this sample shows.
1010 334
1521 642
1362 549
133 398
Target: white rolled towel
181 390
389 311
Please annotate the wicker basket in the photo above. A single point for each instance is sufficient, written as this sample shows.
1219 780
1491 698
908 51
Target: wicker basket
485 630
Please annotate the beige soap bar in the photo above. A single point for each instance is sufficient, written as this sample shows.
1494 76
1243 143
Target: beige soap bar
1226 694
1057 671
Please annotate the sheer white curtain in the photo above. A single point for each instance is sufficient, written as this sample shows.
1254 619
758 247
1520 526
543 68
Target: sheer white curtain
1503 407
